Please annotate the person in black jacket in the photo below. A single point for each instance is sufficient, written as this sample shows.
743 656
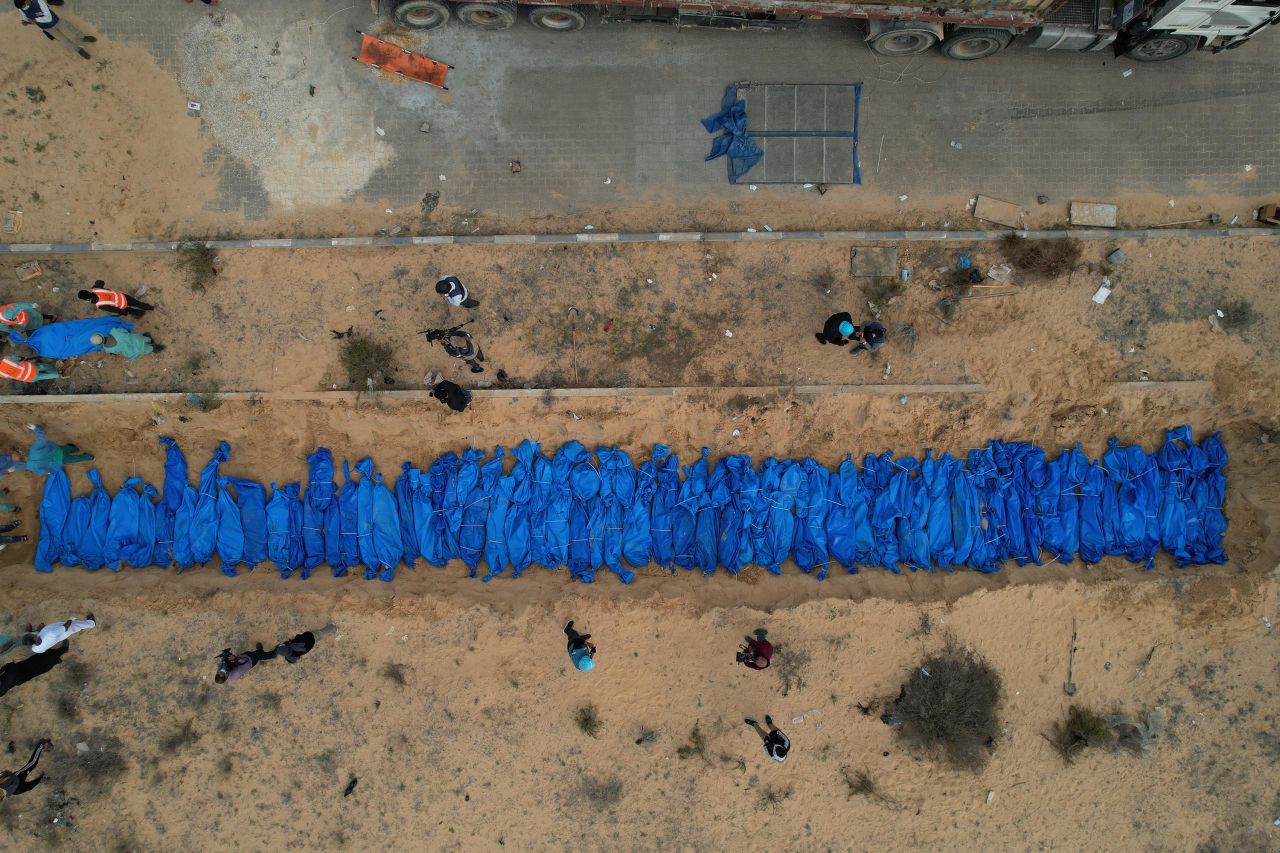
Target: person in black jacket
452 395
838 329
14 783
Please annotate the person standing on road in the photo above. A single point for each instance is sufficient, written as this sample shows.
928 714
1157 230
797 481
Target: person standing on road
776 744
21 671
837 330
23 316
47 636
115 302
234 667
293 650
14 783
25 371
872 335
581 652
38 12
455 292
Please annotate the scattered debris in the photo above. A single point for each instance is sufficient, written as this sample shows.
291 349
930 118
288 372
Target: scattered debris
902 197
1070 687
351 787
1212 219
956 145
379 131
29 270
425 127
1128 72
1042 199
515 166
728 334
999 273
1116 257
1103 291
13 222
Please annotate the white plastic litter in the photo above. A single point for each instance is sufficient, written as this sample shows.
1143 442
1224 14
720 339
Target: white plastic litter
754 188
751 230
1100 296
902 197
737 433
442 177
1128 72
1218 311
379 131
728 334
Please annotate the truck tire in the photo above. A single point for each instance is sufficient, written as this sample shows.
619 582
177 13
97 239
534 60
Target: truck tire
903 41
421 14
487 16
1161 47
560 19
975 42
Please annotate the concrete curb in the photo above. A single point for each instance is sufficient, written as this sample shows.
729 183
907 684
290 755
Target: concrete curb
647 237
1191 385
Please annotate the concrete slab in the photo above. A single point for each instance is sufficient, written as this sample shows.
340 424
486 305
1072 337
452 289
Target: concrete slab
1094 214
873 262
997 211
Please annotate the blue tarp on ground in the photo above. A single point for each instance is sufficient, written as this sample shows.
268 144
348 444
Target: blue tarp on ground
69 338
734 143
1005 501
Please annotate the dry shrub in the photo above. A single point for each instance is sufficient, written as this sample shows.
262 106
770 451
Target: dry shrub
588 720
1041 258
948 706
367 363
601 792
1083 729
195 260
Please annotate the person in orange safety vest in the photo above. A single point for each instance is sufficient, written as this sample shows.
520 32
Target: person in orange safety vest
23 316
115 302
21 370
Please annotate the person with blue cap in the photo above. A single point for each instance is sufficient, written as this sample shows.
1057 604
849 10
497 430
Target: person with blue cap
838 329
580 651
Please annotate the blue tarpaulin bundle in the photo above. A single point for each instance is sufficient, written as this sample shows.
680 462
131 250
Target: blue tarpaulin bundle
734 143
69 338
1005 501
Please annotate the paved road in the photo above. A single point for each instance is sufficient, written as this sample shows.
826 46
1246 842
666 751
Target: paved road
622 102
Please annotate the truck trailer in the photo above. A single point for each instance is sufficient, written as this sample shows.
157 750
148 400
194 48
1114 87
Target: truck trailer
1144 30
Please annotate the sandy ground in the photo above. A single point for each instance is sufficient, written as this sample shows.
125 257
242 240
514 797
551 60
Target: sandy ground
458 720
657 315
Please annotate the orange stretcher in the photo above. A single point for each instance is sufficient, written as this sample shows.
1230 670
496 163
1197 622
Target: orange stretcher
389 57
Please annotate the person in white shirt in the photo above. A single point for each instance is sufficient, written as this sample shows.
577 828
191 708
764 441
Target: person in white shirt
49 636
776 744
455 291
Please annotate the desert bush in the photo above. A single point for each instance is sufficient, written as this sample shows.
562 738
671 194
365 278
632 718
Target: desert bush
601 792
588 720
1041 258
366 362
948 707
1082 729
695 748
195 260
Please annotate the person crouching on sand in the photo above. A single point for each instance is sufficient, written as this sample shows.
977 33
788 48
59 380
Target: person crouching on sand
757 652
581 652
234 667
